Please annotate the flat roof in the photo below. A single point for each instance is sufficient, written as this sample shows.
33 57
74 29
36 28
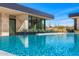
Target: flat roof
74 14
26 9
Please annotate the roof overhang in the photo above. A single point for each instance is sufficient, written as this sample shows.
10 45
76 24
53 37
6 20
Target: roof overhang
16 9
10 11
74 15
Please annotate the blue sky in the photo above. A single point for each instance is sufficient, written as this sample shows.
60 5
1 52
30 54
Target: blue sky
59 10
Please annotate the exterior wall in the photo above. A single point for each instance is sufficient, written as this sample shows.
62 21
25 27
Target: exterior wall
0 24
21 23
77 23
4 24
21 20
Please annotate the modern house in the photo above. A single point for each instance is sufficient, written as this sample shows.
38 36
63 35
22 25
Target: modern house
17 18
75 16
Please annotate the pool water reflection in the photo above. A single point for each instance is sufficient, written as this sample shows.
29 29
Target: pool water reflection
41 45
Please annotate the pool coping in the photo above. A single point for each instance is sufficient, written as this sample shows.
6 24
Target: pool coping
54 33
4 53
41 34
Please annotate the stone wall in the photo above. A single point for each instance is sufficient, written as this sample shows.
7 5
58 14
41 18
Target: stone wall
4 24
0 24
21 20
77 23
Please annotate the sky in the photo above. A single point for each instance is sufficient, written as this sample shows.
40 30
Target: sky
60 11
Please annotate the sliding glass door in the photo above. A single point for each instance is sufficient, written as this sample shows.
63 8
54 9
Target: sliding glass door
12 26
36 24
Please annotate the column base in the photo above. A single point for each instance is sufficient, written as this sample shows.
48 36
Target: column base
4 34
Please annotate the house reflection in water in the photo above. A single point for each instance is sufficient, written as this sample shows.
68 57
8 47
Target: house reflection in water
75 48
32 41
14 42
76 40
4 42
36 41
24 40
11 42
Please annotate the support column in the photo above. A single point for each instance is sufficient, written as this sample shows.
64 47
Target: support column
26 23
4 24
44 24
0 25
75 24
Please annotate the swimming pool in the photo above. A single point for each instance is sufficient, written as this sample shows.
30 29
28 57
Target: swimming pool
41 45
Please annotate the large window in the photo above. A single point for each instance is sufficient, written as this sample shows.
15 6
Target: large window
36 24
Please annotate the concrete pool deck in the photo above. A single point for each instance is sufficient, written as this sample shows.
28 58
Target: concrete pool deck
3 53
54 33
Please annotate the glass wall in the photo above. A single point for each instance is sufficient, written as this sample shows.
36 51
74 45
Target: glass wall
36 24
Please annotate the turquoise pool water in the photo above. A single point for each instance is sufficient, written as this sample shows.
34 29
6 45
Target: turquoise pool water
41 45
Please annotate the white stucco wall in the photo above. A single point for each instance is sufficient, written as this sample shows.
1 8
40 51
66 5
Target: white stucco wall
77 23
0 24
4 24
20 20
